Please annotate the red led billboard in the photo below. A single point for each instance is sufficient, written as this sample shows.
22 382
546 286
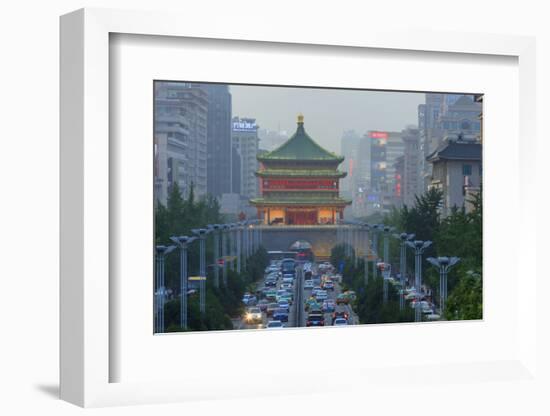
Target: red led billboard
378 135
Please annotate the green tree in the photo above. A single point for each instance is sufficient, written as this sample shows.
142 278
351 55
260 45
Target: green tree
466 300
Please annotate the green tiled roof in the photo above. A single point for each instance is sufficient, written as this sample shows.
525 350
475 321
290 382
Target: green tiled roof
302 173
300 147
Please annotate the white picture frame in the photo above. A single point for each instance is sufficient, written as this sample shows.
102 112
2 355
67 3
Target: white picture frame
86 265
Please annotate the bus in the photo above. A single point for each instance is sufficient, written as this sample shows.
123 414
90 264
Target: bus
280 255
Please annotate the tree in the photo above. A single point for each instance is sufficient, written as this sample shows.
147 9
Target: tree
372 310
466 300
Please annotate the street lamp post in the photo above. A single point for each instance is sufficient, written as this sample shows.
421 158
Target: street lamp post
366 227
419 247
239 237
444 264
201 234
183 242
161 253
232 245
375 229
404 237
215 228
245 243
224 229
385 274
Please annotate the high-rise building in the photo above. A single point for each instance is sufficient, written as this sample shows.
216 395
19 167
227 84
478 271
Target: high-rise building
244 135
180 138
271 139
361 177
349 146
399 167
411 183
386 147
444 115
219 155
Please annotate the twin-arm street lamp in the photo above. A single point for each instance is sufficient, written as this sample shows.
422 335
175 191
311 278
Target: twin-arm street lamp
375 228
366 228
444 264
387 230
201 234
403 237
183 243
215 228
419 246
161 253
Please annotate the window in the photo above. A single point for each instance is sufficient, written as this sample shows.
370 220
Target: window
466 170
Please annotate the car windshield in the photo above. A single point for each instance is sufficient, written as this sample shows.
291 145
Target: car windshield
255 310
280 311
274 325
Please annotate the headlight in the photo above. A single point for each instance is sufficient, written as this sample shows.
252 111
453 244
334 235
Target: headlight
249 316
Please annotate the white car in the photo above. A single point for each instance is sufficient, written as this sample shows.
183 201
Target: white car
274 325
321 295
253 315
308 284
340 322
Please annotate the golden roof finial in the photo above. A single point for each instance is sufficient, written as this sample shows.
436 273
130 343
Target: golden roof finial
300 118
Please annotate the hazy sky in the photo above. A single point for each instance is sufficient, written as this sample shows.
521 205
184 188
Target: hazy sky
327 112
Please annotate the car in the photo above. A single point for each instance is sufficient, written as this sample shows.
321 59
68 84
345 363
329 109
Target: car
271 307
339 314
271 282
340 321
283 304
271 295
288 278
249 299
410 296
286 298
274 325
350 294
311 303
328 285
262 304
286 286
342 299
315 319
308 284
280 314
315 289
328 306
321 295
253 315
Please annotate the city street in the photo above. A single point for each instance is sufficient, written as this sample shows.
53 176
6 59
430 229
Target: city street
297 316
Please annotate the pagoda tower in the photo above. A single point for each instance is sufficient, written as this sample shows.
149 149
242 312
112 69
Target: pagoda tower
299 183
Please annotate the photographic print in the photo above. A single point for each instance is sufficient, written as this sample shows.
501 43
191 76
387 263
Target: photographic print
286 206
